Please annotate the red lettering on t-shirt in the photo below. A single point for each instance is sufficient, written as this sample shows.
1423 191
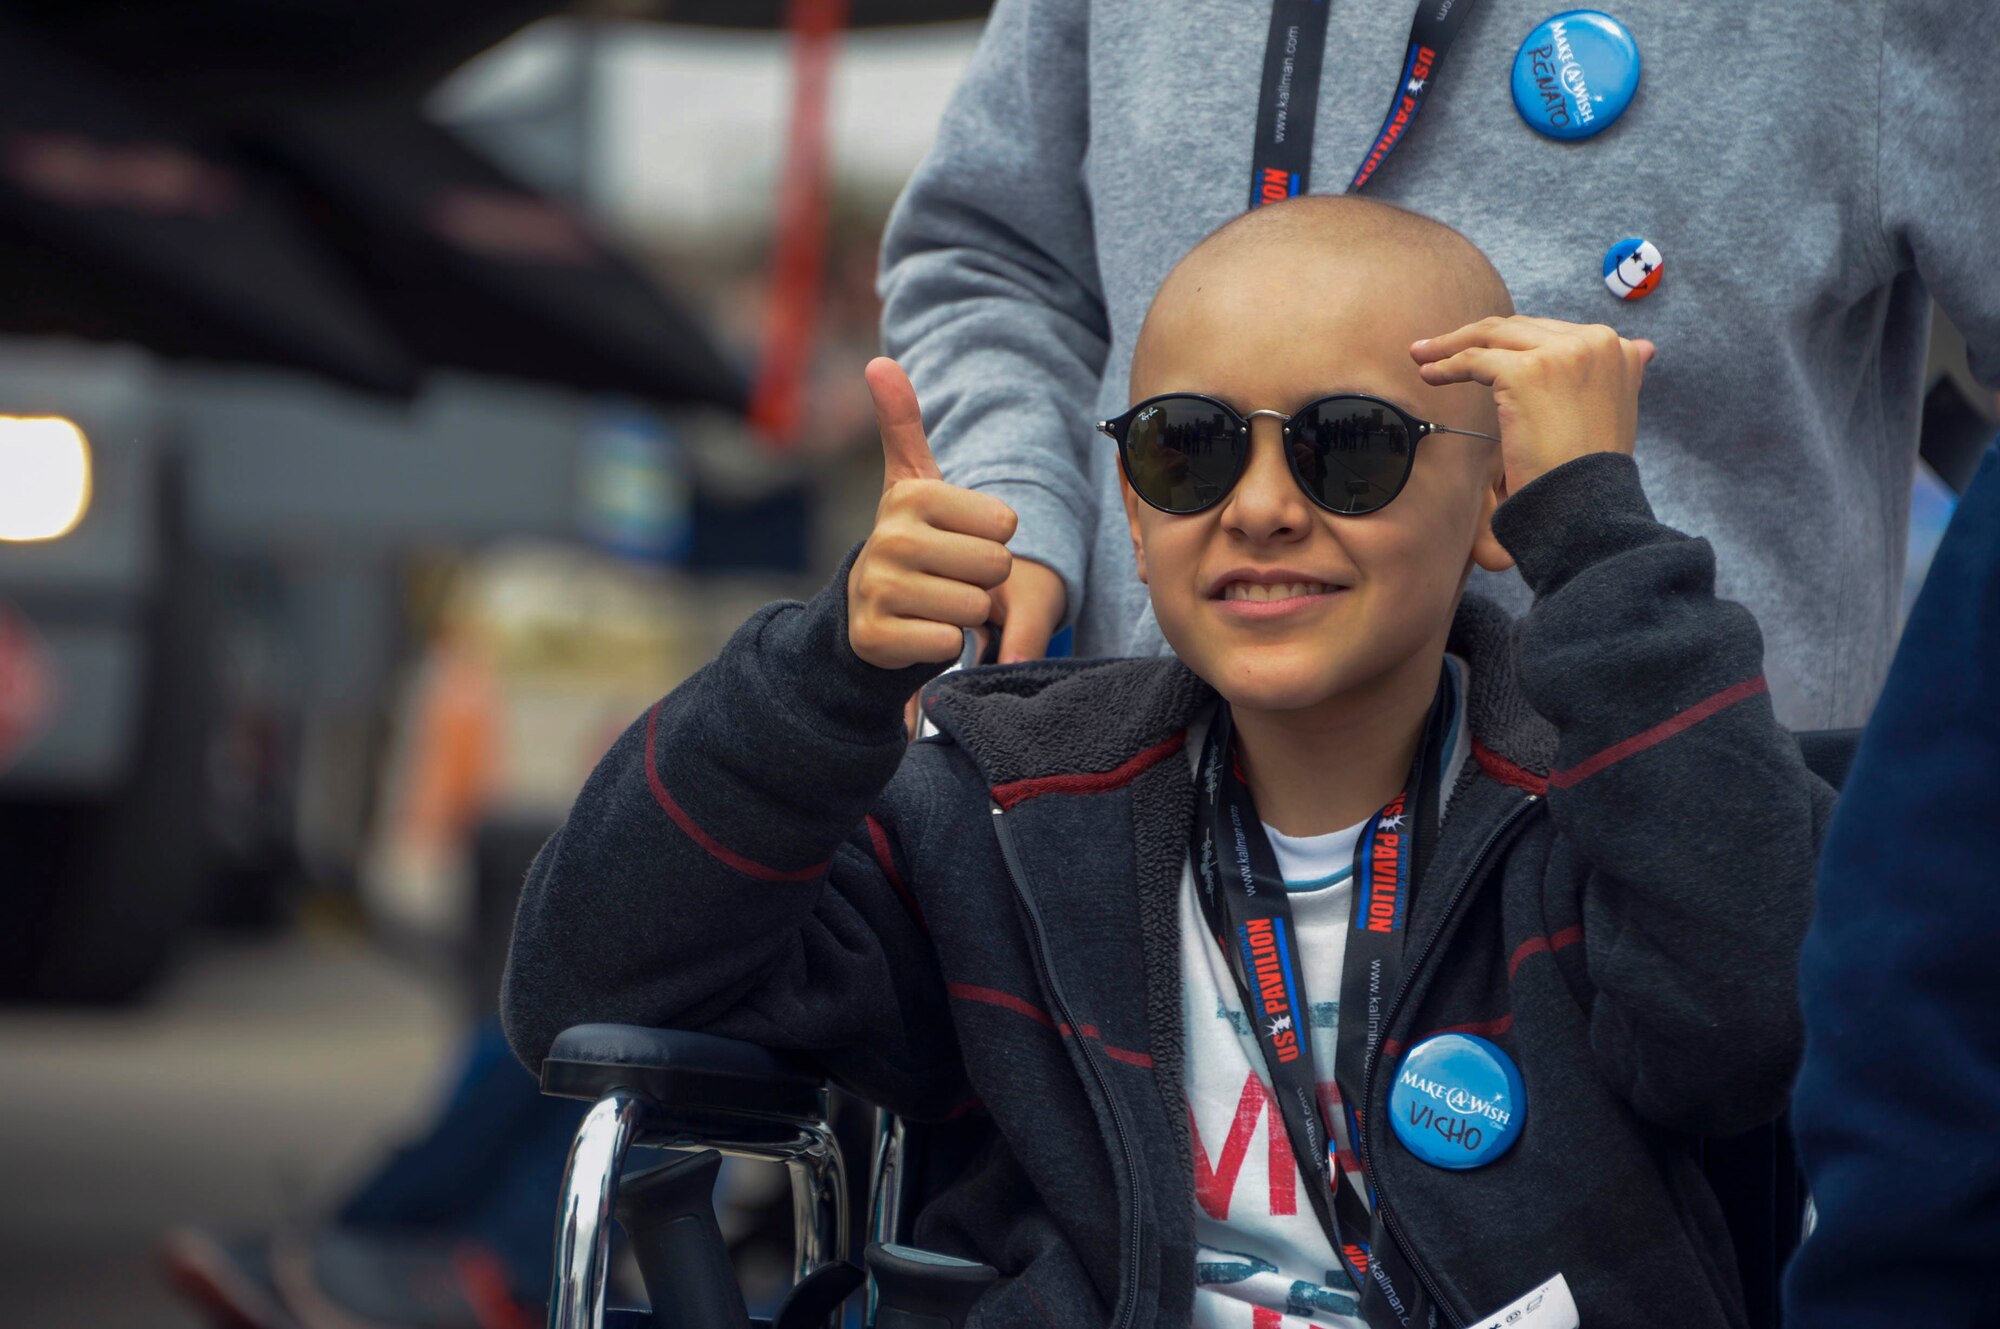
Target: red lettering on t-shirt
1215 1182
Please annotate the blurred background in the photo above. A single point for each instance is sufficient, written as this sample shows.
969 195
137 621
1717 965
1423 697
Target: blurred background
395 398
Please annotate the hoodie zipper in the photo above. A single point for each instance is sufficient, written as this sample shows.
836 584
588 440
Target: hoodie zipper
1410 973
1128 1301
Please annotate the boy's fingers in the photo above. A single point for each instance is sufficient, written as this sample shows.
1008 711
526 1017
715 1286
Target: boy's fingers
1511 333
931 599
965 511
906 453
1646 351
965 558
1477 364
916 641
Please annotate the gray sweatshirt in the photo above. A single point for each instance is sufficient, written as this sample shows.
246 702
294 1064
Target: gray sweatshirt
1813 176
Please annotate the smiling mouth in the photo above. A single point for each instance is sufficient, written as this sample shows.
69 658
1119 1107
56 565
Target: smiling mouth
1259 592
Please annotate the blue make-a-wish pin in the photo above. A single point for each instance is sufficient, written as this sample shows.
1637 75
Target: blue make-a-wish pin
1575 74
1458 1101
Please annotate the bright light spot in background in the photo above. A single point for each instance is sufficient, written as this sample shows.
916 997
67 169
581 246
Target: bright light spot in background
44 477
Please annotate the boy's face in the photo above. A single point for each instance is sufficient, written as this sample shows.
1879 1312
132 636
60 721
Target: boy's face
1370 597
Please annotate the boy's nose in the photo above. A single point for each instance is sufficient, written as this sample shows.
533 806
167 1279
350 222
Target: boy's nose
1267 503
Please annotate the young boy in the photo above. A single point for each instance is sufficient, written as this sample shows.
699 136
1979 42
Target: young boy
1521 901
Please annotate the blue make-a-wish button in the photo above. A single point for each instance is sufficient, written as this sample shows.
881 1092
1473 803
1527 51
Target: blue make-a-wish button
1575 74
1458 1101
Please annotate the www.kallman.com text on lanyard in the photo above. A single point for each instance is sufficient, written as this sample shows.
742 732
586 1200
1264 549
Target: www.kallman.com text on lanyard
1288 103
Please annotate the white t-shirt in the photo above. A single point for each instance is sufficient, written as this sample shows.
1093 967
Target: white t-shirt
1262 1260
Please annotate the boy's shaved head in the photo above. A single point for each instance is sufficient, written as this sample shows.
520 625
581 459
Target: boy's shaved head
1285 305
1384 251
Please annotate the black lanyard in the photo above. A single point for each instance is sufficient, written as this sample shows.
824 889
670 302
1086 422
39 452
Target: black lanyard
1287 107
1243 898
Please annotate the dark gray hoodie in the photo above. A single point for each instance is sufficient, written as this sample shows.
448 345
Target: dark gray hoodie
983 927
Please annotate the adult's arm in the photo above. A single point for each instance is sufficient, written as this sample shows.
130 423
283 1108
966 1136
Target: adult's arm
991 296
1895 1114
1938 160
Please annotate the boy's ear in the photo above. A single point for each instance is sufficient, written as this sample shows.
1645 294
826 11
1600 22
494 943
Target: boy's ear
1131 498
1487 551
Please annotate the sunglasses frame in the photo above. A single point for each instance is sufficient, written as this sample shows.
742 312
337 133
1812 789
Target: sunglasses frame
1119 426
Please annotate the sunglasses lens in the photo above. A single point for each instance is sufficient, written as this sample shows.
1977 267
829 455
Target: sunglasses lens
1182 454
1353 456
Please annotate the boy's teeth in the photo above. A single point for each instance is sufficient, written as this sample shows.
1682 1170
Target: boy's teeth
1284 590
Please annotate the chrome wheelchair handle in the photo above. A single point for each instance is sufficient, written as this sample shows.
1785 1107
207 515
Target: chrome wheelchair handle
621 1119
583 1227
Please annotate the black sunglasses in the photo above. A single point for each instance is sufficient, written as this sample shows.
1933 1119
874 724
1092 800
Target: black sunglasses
1351 453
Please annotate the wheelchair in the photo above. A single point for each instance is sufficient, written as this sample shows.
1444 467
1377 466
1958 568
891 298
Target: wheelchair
707 1096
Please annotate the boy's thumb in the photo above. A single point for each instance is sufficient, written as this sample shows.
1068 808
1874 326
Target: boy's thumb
906 453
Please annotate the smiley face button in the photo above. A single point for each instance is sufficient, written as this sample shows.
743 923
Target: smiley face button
1632 268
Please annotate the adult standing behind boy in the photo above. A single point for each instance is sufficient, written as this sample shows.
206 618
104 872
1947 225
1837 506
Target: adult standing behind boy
1811 179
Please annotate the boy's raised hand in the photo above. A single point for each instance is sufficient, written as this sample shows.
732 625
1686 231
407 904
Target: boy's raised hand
937 551
1563 389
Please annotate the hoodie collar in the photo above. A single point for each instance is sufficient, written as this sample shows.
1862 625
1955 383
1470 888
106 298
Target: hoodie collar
1048 725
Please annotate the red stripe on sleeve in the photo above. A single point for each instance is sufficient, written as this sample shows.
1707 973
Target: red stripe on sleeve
1536 945
1007 1001
1659 733
1004 1000
878 839
1477 1028
715 848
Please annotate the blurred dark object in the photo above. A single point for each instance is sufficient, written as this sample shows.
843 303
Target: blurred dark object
122 165
772 13
250 56
1893 1106
254 751
118 223
1954 435
477 272
769 533
99 889
503 848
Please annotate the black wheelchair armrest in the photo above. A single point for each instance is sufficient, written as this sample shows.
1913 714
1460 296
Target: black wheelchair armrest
685 1074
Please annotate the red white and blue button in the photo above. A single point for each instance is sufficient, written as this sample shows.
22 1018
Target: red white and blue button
1632 268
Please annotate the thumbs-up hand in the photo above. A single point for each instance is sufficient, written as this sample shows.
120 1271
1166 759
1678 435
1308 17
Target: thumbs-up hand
936 553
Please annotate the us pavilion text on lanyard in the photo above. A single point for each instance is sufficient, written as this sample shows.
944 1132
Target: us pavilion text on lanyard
1247 907
1281 161
1243 899
1240 890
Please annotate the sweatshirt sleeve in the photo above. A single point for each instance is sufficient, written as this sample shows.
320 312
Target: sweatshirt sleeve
1894 1116
732 866
990 287
1683 808
1938 160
